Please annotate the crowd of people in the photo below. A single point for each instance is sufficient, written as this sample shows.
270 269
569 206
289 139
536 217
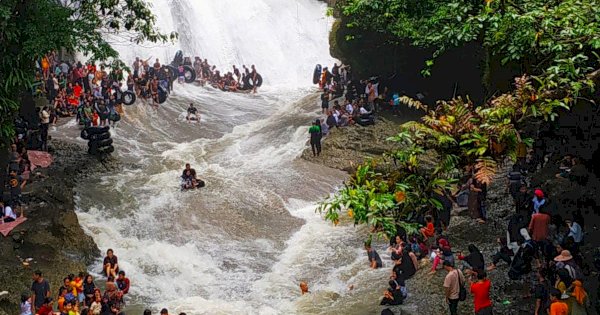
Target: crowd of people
540 249
18 171
72 89
347 102
232 81
86 91
149 81
81 294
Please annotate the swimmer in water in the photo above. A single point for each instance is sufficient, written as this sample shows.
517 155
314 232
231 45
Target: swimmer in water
304 287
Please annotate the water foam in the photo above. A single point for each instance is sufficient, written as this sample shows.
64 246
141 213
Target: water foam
183 250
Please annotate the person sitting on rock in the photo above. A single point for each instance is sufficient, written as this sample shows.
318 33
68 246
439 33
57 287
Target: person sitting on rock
374 259
123 283
504 253
111 264
429 230
6 213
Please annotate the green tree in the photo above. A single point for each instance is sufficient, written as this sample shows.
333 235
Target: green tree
553 40
32 28
431 155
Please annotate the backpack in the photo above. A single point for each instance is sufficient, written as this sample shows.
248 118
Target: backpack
462 291
462 198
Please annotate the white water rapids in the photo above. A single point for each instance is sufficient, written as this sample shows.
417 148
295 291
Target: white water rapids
242 244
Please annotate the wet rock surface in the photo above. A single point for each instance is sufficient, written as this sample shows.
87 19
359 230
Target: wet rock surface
51 240
346 147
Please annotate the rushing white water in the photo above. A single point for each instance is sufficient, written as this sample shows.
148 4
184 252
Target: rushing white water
242 244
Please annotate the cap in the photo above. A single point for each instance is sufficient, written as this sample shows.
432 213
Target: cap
539 193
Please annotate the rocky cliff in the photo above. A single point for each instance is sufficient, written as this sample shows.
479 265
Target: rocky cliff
51 238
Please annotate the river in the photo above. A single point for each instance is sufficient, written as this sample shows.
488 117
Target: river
242 244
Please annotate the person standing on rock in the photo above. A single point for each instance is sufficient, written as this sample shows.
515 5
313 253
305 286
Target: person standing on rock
481 294
40 291
452 283
325 102
315 137
476 203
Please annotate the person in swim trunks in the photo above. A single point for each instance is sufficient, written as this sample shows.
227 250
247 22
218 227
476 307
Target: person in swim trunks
236 72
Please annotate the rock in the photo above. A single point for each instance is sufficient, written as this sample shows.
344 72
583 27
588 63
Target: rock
51 230
345 148
17 238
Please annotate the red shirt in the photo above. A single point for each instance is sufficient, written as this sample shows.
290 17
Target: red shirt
539 226
44 310
429 230
481 294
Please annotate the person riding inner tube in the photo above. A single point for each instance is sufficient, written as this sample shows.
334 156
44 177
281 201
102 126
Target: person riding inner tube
189 180
192 113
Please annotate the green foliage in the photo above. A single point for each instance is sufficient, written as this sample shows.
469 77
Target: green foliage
555 44
32 28
554 41
431 154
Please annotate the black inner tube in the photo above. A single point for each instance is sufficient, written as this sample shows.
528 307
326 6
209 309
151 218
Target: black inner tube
249 82
172 72
162 95
189 74
317 74
128 97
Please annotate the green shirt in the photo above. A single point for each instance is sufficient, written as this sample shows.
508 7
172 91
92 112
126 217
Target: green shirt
314 129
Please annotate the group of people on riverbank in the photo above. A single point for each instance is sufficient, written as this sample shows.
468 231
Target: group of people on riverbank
348 102
540 249
86 91
17 173
79 294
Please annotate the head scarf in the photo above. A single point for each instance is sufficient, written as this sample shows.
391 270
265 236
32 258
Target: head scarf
578 292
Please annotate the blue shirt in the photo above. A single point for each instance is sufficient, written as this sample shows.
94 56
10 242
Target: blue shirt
576 232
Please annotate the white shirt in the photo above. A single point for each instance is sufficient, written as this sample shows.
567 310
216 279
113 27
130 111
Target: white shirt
363 110
349 108
336 115
8 212
45 117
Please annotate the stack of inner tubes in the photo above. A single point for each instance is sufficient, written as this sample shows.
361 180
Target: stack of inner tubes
99 141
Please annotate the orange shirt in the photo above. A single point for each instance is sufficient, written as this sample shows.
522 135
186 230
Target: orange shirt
61 303
429 231
45 63
559 308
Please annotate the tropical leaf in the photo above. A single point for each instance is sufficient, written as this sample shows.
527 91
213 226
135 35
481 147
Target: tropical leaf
411 102
485 169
